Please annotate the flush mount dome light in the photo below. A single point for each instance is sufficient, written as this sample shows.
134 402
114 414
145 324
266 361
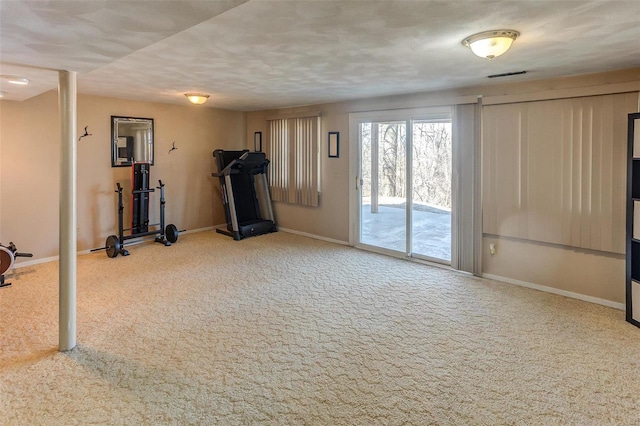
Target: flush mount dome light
491 44
15 79
197 98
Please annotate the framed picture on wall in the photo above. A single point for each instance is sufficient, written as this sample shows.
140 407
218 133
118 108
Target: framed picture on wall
257 141
334 144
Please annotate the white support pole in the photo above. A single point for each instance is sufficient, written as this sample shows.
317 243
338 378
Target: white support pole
68 220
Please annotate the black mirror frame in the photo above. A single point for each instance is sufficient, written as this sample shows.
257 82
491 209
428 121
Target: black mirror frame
114 137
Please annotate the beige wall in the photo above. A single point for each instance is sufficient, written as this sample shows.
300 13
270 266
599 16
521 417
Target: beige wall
30 167
591 273
330 219
29 174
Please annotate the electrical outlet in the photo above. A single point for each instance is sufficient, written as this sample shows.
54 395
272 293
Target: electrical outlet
492 249
78 231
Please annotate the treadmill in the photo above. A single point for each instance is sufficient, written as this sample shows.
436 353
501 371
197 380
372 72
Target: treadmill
245 193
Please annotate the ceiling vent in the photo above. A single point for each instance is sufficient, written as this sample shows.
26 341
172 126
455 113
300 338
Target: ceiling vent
506 74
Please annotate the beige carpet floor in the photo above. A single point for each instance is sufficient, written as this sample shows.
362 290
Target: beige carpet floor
286 330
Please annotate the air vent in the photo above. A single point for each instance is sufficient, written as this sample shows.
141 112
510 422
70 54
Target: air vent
506 74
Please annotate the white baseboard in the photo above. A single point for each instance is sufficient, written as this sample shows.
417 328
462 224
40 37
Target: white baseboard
35 262
316 237
206 228
83 252
557 291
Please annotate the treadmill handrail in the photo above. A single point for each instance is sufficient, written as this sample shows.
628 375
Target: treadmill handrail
238 165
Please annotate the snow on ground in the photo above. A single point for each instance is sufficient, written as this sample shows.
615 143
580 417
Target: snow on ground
386 228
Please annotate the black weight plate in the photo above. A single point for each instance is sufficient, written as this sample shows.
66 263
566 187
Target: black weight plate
113 246
171 232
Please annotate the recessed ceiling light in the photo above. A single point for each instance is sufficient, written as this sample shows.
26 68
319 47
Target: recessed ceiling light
16 79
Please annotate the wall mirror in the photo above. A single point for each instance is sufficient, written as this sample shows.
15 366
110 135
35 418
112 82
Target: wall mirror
131 140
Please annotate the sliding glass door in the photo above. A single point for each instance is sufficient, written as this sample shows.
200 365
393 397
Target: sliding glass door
431 188
383 220
405 185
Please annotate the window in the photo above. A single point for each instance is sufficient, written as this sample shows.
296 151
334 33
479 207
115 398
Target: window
293 148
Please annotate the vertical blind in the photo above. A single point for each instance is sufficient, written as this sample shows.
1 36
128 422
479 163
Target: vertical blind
294 172
466 231
555 171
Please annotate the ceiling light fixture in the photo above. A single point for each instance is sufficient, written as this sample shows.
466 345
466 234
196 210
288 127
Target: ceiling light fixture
491 44
197 98
15 79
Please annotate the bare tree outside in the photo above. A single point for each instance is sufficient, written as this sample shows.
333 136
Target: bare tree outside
365 146
393 140
432 161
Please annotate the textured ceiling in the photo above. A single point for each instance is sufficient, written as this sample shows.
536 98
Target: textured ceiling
261 54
